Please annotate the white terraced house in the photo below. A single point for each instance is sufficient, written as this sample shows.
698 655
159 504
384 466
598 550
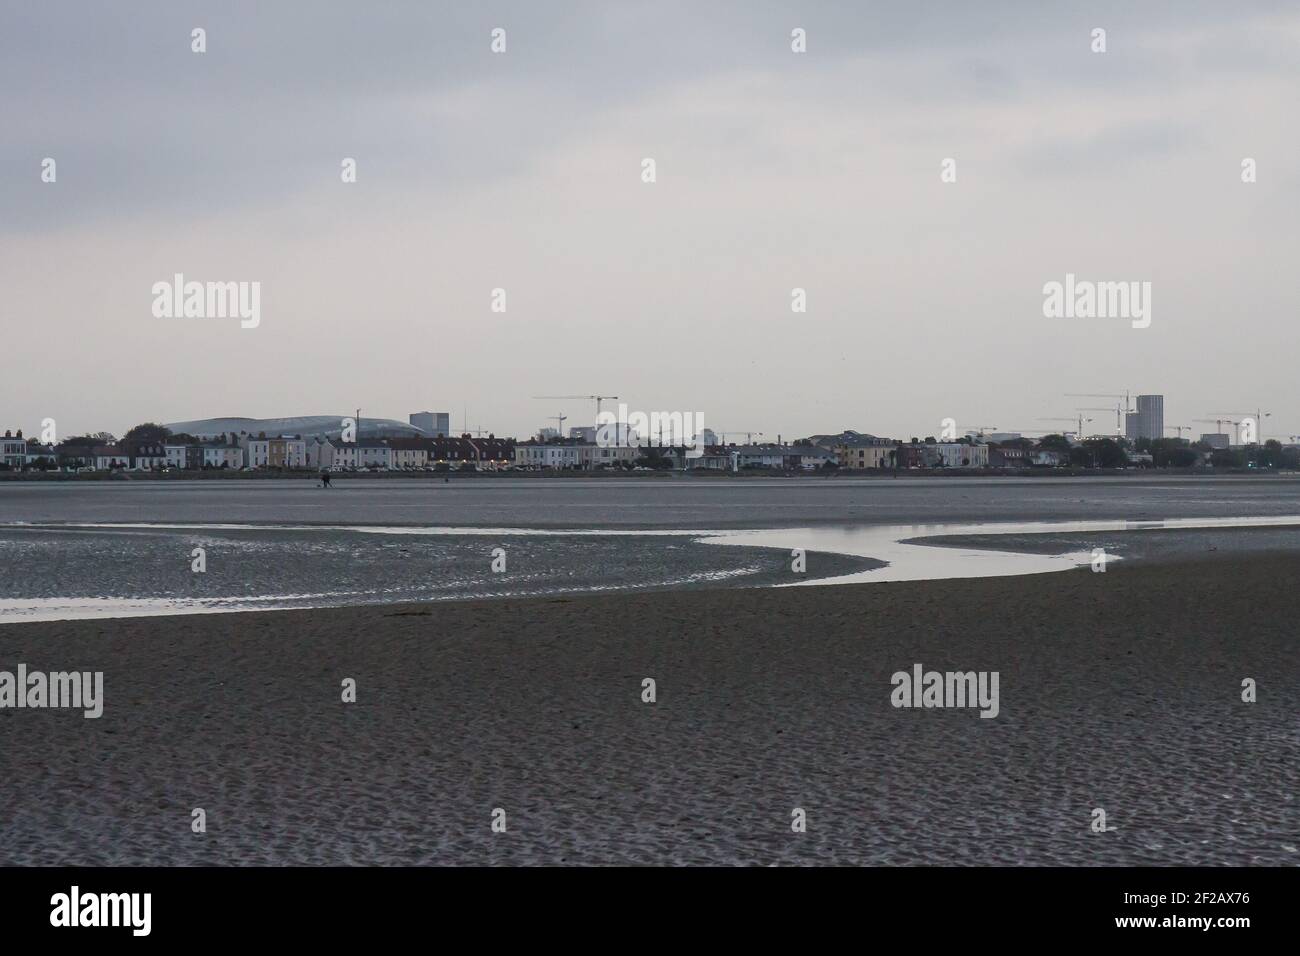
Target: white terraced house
360 455
108 457
175 455
961 455
258 451
223 456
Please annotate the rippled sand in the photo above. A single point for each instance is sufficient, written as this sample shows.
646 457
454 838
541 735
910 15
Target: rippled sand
1118 690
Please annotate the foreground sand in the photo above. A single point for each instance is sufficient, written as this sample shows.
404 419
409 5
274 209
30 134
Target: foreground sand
1118 690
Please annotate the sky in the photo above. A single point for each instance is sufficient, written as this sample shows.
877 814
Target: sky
774 170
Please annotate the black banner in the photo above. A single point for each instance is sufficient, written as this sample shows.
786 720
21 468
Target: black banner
335 904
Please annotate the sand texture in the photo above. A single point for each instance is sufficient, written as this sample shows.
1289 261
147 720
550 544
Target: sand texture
1119 690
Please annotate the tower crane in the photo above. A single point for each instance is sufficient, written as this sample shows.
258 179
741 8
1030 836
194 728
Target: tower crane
1119 409
1078 420
596 398
1258 414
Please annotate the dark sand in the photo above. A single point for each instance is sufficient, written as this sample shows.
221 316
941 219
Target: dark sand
1118 690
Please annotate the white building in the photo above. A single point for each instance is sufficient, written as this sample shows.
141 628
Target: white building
362 455
257 452
960 455
106 457
175 455
223 456
538 455
320 453
409 454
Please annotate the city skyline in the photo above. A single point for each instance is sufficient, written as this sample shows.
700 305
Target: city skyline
1097 422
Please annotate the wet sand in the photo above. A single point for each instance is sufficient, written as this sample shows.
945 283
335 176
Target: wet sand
1118 690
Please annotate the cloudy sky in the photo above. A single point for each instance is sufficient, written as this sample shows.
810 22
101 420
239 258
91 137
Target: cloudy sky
522 171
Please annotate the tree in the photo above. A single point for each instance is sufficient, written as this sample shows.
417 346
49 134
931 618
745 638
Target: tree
148 432
1270 456
1106 453
1055 443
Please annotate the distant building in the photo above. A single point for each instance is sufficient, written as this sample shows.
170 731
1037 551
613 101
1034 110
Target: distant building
221 455
864 456
1007 456
362 455
145 455
13 450
916 455
410 454
327 426
288 451
432 424
1216 440
38 454
1150 417
320 453
553 453
848 438
1131 427
1047 458
185 455
782 457
108 457
961 455
257 452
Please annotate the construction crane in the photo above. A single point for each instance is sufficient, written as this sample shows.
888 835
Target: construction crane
1119 429
1258 414
980 429
1179 429
749 436
596 398
1078 420
1218 423
1119 410
559 423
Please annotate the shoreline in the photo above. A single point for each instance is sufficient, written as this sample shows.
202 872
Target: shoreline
1116 692
700 474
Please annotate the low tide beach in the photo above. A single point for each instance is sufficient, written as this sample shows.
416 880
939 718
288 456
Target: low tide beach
1120 691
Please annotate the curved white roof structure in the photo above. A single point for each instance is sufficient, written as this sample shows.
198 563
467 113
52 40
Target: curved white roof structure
308 426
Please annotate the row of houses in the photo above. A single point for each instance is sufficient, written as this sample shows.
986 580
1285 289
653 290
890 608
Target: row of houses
283 453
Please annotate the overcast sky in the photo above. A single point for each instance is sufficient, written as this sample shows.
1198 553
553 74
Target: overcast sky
522 170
